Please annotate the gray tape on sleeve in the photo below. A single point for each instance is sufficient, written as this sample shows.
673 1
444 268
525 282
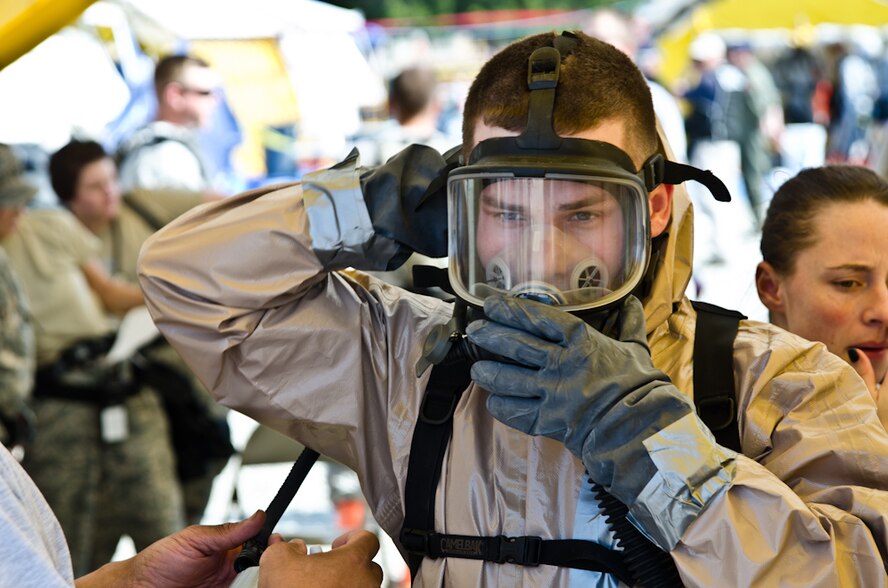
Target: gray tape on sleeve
341 229
692 470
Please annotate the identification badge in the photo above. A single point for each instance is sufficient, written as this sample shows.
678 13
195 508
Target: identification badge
115 424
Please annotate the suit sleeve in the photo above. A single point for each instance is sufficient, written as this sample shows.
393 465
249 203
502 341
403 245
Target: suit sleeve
326 357
810 506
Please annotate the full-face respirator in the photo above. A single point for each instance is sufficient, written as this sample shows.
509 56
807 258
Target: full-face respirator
558 220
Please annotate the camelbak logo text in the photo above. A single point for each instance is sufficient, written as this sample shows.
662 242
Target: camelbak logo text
466 546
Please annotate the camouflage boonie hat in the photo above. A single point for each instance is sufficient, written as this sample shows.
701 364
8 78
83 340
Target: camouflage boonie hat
15 190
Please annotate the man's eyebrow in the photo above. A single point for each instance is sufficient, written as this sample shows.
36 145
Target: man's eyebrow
493 201
596 199
591 200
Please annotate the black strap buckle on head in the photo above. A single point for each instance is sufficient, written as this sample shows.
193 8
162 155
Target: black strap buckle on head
653 171
543 69
542 78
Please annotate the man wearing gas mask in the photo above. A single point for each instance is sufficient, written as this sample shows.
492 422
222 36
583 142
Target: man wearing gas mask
497 438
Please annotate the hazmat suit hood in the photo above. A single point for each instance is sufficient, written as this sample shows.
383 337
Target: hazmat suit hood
671 256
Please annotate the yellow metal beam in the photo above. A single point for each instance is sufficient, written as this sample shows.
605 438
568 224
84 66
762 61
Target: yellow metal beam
25 24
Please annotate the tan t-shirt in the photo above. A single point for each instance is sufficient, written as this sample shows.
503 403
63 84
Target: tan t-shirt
47 252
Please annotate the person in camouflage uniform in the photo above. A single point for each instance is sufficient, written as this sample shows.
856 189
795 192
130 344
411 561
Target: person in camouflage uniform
16 360
101 445
16 332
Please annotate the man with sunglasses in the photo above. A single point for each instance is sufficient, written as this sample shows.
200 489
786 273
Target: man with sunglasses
164 154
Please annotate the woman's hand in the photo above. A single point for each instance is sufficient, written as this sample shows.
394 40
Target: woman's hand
864 368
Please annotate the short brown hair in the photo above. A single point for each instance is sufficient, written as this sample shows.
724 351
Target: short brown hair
411 91
597 82
787 229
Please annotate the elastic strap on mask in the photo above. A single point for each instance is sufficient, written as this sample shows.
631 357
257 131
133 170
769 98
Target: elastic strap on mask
543 69
658 170
676 173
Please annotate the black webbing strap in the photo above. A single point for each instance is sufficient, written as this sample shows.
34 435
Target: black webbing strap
255 546
526 551
430 439
714 392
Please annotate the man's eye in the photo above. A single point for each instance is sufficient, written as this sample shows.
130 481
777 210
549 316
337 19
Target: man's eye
587 215
509 216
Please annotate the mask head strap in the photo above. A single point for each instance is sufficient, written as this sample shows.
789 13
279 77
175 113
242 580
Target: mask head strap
658 170
676 173
543 69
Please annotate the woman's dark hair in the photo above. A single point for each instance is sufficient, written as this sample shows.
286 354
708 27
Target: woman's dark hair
66 164
788 230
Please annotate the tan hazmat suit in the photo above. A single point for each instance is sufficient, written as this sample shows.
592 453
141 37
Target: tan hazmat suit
328 358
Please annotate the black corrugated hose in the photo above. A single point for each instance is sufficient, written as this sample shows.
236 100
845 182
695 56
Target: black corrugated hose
651 566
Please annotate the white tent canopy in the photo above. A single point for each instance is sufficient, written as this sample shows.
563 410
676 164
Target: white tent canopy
237 19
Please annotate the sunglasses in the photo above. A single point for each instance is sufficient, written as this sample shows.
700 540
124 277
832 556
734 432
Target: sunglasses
197 91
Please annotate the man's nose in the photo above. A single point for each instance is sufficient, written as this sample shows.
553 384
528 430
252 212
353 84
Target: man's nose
547 250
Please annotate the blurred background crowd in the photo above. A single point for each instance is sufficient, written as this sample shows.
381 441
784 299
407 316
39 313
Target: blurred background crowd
756 92
753 90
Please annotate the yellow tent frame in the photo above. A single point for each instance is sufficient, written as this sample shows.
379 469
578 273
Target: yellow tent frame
24 24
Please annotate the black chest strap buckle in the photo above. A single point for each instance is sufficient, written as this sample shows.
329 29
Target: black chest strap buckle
523 551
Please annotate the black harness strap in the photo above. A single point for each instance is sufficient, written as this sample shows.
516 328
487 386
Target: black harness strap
528 550
430 439
714 394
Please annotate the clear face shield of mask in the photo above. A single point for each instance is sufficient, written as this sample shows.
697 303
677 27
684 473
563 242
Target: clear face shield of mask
569 240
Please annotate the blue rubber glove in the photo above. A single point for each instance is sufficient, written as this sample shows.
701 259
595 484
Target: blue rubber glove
601 397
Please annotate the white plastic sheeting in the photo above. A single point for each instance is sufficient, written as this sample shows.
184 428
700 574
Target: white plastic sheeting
240 19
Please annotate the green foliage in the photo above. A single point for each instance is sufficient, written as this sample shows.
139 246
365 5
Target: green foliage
423 9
